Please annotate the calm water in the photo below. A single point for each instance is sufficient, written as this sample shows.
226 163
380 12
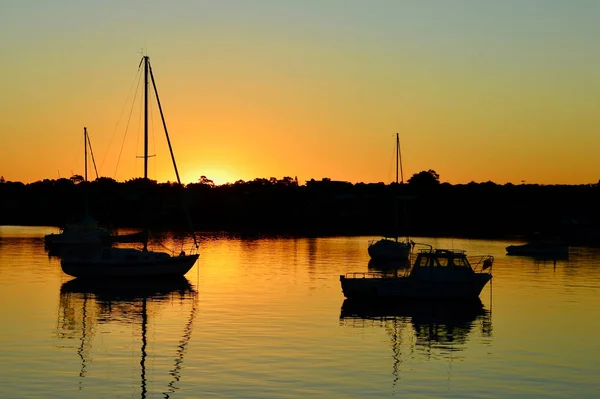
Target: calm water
265 318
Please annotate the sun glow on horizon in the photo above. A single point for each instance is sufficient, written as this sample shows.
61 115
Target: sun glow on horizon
218 175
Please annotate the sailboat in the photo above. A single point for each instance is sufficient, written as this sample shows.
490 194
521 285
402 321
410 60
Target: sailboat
86 233
129 262
391 248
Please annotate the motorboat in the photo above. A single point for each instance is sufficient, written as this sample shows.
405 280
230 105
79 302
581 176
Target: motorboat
435 273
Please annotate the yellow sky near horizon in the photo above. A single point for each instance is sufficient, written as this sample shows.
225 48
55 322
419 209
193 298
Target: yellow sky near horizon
502 92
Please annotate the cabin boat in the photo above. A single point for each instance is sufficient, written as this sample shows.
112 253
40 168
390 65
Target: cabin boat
435 273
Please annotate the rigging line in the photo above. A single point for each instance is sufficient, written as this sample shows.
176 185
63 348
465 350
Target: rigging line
92 153
128 121
162 117
133 85
153 140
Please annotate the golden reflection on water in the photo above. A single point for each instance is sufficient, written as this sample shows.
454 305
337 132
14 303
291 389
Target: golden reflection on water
265 317
88 309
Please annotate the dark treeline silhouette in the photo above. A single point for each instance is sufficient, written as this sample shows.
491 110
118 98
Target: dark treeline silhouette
425 207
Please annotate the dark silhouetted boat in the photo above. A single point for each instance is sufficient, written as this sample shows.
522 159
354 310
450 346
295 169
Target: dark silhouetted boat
435 273
540 248
129 262
392 248
87 233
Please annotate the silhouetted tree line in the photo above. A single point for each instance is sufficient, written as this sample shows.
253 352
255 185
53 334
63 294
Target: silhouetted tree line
424 207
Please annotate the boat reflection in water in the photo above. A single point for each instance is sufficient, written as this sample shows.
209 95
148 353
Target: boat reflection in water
88 308
433 328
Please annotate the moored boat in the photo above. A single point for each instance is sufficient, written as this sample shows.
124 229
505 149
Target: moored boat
392 248
540 248
129 262
389 249
435 273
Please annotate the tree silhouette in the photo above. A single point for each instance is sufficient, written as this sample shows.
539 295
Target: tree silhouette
425 178
76 179
206 181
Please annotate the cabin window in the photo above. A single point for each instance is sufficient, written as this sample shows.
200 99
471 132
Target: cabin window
460 262
423 261
430 261
443 262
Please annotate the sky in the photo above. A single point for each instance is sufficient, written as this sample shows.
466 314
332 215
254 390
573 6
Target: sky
477 90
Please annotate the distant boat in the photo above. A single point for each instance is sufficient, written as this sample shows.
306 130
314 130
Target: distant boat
87 233
436 273
391 248
129 262
540 248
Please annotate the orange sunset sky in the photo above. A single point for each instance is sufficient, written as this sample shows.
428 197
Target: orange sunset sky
506 91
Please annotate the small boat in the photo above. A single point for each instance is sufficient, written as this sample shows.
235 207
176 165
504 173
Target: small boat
435 273
391 248
129 262
86 232
540 248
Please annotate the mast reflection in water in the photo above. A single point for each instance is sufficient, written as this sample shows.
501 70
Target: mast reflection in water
435 327
88 308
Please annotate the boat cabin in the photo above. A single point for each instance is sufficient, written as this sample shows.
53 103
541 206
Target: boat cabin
441 264
442 258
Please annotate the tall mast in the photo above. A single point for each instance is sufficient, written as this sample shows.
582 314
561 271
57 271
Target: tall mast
399 159
397 155
146 61
85 152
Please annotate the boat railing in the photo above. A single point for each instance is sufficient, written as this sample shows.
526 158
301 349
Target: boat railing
379 275
481 263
